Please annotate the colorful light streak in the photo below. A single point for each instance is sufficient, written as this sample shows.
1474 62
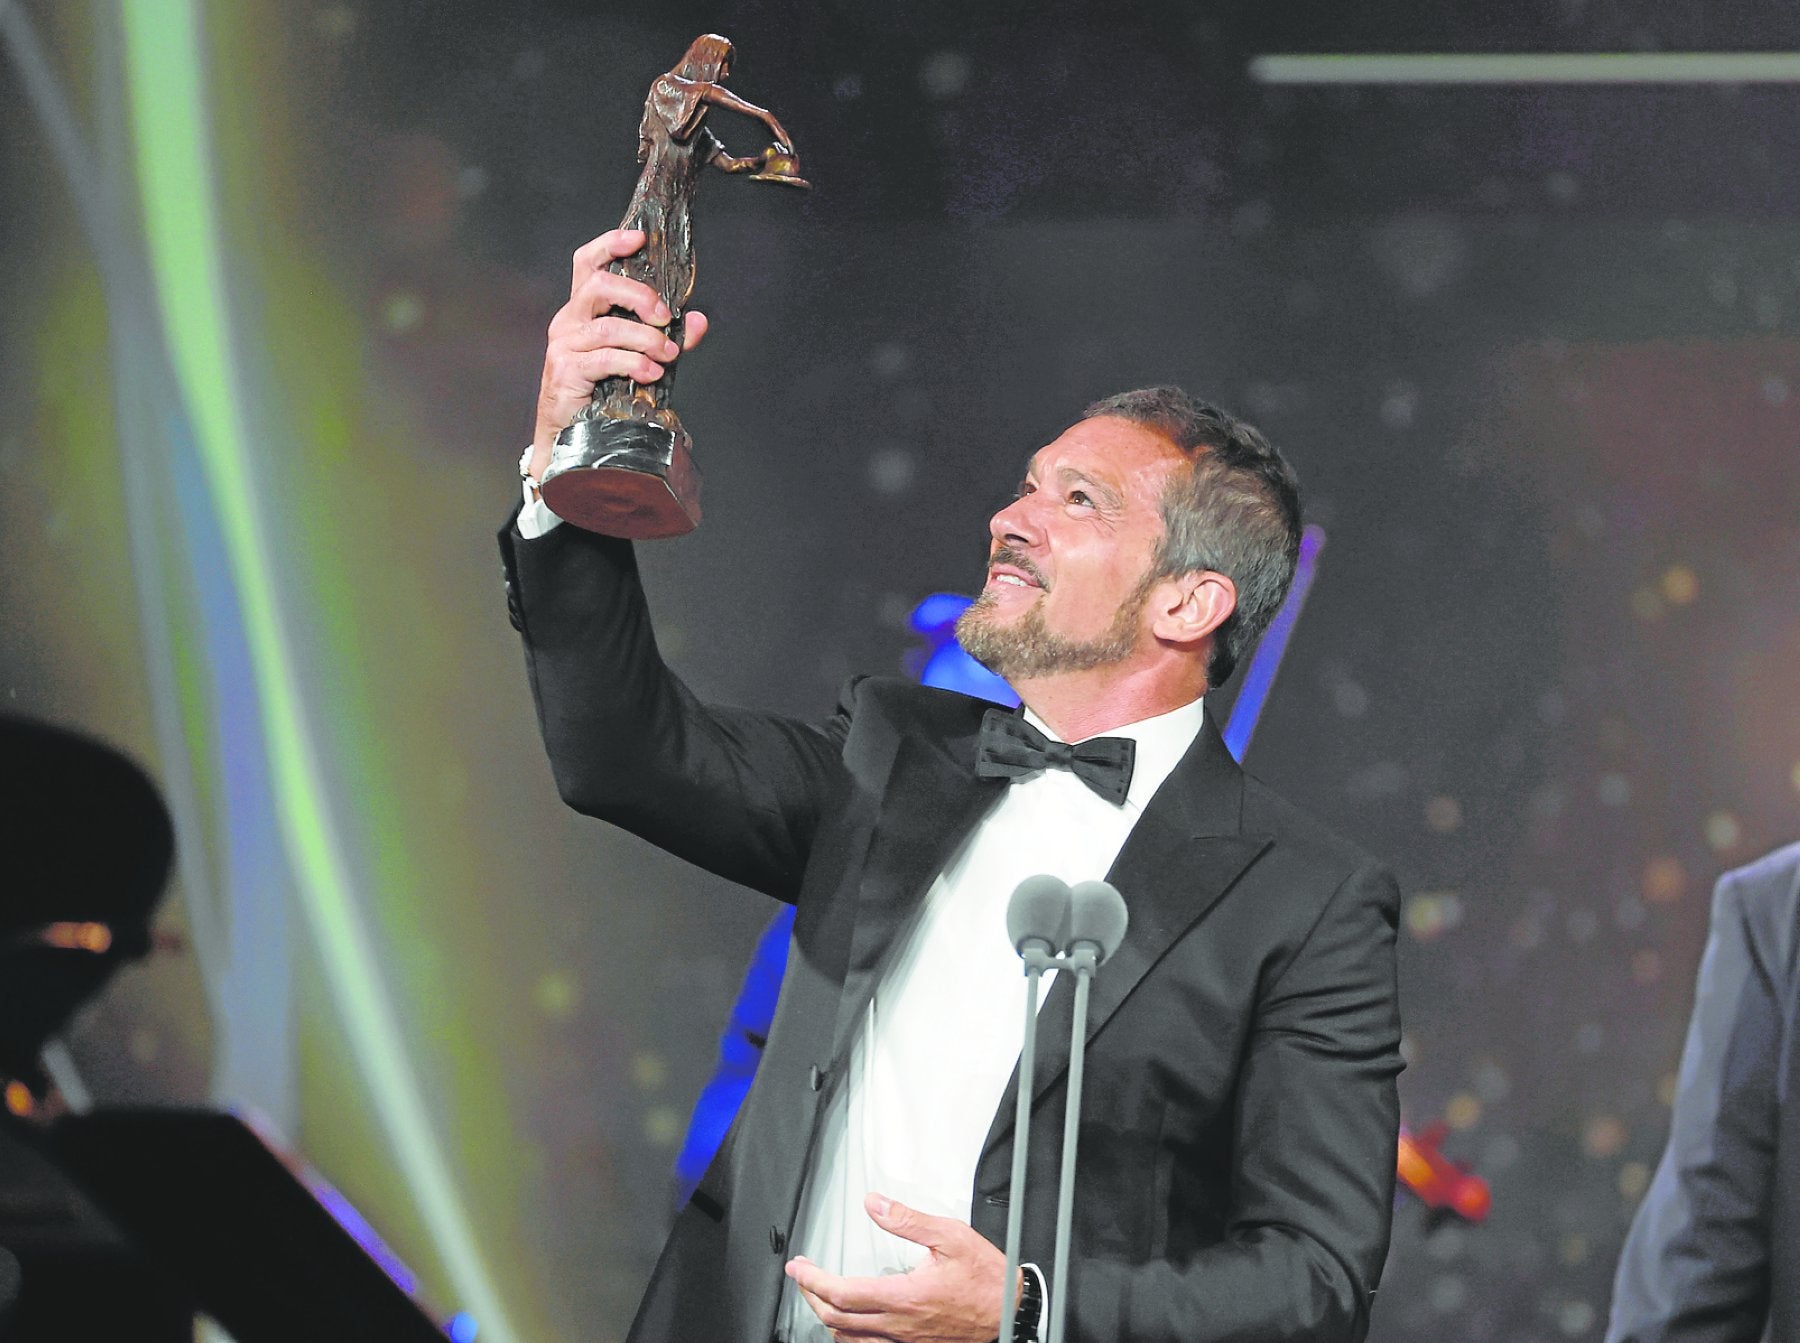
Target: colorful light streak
130 327
1259 677
166 79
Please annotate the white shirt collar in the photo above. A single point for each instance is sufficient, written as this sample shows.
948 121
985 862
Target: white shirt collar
1161 742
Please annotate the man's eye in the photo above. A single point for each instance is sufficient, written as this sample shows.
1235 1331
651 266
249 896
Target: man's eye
1080 497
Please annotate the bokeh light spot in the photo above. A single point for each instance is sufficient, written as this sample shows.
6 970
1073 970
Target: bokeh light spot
1634 1179
892 470
556 994
1615 789
1604 1137
890 360
1583 923
1448 1294
402 311
648 1071
1575 1318
1527 932
1646 965
1431 914
1463 1111
1723 831
1680 585
663 1125
945 74
1491 1081
1665 880
1443 814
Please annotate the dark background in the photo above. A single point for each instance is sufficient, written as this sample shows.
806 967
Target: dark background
1532 350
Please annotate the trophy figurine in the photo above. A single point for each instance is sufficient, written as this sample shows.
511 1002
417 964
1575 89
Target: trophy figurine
625 467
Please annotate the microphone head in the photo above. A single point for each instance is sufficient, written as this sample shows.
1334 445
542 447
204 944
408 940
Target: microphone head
1039 912
1097 916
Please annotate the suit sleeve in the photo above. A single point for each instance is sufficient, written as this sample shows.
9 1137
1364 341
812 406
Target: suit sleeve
1696 1263
735 791
1317 1122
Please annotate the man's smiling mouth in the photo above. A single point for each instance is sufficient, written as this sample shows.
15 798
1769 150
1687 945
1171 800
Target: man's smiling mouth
1014 570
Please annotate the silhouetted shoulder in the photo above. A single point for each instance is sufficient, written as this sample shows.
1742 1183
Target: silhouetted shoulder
1766 896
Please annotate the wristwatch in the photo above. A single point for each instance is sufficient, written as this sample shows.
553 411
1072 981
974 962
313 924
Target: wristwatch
1028 1318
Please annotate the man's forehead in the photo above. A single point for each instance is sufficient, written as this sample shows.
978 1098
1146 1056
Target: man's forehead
1105 448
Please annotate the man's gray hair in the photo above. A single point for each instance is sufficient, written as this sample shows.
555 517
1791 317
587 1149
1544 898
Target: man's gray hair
1235 510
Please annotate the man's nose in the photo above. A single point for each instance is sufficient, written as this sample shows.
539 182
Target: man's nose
1015 524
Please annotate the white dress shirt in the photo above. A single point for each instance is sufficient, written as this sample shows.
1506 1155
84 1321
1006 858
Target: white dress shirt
943 1031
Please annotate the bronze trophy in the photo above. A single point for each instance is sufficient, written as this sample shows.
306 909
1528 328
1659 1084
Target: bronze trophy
625 467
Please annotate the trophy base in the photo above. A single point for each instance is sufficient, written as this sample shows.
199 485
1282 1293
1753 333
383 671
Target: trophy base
630 478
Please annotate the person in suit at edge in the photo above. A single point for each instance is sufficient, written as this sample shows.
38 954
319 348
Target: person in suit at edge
1714 1251
1240 1113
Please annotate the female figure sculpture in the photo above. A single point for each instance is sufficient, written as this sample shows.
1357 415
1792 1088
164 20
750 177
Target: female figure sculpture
625 466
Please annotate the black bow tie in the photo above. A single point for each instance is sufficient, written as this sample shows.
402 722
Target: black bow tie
1010 748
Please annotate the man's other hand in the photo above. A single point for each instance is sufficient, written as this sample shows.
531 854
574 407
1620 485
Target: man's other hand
588 342
953 1297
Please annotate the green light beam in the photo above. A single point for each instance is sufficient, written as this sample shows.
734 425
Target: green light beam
165 72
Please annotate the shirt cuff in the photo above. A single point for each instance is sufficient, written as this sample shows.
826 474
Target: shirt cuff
535 519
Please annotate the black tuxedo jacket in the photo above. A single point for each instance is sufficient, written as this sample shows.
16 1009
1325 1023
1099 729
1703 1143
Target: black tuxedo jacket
1714 1251
1239 1119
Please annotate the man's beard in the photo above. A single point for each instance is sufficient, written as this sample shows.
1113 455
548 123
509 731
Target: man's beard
1027 647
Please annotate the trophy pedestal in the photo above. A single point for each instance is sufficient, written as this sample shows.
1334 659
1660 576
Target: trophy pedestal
629 478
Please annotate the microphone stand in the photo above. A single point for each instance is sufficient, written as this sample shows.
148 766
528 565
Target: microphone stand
1083 960
1044 917
1037 957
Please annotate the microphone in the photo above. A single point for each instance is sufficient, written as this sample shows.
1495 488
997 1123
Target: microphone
1037 916
1097 921
1038 921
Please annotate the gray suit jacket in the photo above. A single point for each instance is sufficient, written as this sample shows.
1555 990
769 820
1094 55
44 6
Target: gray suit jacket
1714 1253
1239 1118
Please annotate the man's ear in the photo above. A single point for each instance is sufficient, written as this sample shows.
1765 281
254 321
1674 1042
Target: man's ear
1188 607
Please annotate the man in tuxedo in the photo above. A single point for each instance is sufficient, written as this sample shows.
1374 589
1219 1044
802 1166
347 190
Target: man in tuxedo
1711 1256
1240 1117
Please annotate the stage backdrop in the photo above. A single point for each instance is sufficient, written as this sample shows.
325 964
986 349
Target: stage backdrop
276 282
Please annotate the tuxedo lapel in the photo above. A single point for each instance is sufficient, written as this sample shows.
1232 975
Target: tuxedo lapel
1181 857
931 803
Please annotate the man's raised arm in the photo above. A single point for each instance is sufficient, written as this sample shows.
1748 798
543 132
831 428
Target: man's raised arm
734 791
